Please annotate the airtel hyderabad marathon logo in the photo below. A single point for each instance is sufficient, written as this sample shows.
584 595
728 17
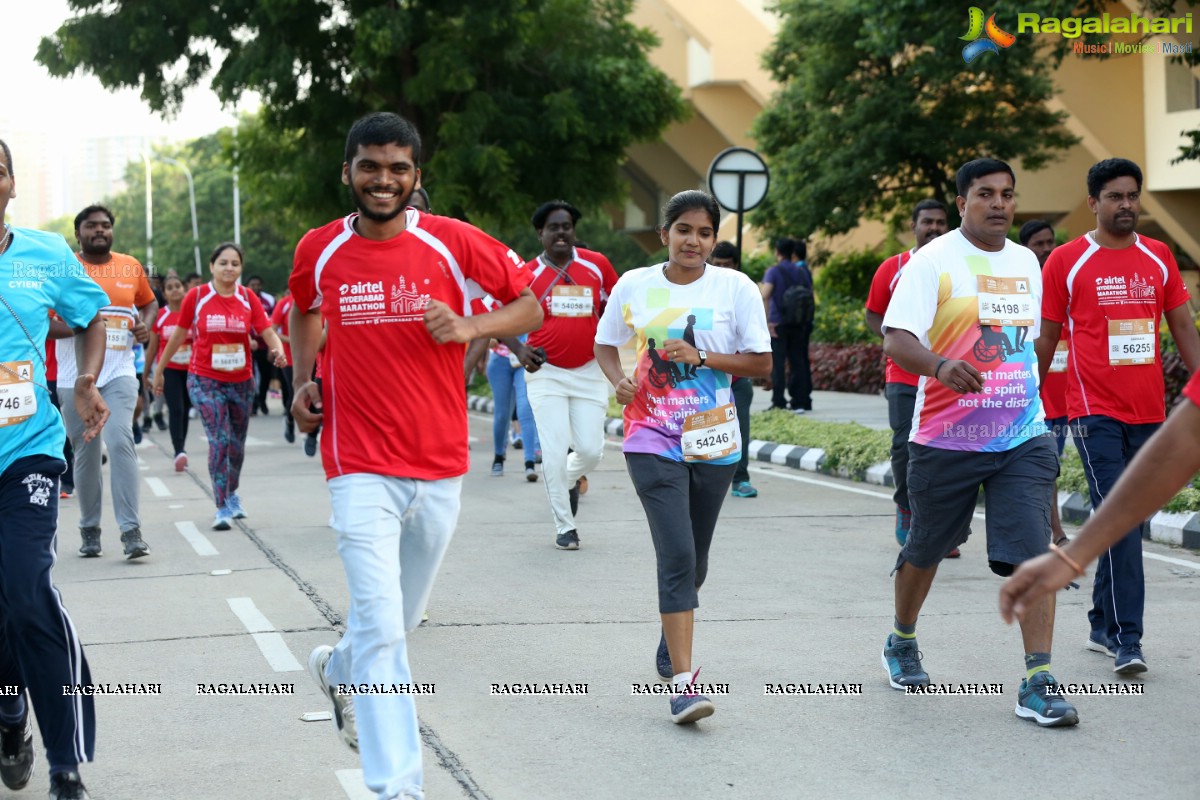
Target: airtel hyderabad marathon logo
990 38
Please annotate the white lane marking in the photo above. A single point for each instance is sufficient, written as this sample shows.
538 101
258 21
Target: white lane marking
221 572
1181 562
269 642
158 487
253 442
196 539
143 469
352 784
175 505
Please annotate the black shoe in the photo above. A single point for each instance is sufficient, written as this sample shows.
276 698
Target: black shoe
567 541
574 495
146 423
160 422
68 786
137 433
134 546
91 542
263 408
289 430
310 445
16 752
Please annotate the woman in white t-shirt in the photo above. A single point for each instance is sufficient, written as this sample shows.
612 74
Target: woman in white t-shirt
696 325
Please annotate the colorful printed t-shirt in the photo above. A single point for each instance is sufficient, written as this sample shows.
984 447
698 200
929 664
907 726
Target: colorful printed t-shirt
1112 302
393 398
878 299
41 274
721 312
984 308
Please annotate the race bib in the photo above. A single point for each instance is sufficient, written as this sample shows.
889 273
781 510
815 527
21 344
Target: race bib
710 435
17 400
118 331
571 301
1131 341
228 357
1059 364
183 355
1005 301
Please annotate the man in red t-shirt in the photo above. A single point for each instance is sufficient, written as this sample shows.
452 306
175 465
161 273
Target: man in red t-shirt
394 287
1165 465
566 389
928 222
1111 288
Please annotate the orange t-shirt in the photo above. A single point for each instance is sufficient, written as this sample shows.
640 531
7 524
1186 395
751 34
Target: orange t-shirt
122 279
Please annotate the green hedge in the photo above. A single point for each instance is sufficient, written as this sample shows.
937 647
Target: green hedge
1072 479
847 445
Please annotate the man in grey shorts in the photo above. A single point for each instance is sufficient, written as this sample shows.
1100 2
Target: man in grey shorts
954 320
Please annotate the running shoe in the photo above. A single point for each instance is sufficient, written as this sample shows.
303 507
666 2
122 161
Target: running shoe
289 430
234 504
192 413
1040 699
147 423
516 441
744 489
223 521
1129 660
137 433
160 421
498 468
799 412
537 457
181 462
68 786
135 547
573 495
530 472
310 445
902 660
66 493
690 706
567 541
91 542
343 705
903 523
16 751
1096 644
662 660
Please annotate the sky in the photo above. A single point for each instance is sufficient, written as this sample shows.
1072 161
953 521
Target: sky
37 102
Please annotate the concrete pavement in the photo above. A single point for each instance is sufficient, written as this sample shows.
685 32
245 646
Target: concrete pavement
798 592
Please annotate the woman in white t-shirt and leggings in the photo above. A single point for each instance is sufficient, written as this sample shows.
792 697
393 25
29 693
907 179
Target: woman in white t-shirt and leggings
696 325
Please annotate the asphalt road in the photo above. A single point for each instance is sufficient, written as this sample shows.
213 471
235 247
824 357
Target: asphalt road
798 593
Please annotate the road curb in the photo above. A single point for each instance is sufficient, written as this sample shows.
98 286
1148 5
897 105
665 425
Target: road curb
1166 527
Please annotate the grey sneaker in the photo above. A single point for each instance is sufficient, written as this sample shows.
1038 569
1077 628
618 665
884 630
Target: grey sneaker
1095 644
343 705
1041 700
902 660
91 542
135 547
1129 660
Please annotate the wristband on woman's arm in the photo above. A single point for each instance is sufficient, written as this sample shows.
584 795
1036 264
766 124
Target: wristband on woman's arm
938 368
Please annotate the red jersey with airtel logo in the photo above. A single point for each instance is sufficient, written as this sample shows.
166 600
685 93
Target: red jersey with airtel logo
221 327
394 401
1054 388
1192 390
279 318
164 325
572 301
1112 302
882 286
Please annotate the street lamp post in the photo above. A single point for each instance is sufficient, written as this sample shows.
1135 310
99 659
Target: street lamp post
192 200
149 211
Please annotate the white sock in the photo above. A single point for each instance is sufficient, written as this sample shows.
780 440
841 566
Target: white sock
682 679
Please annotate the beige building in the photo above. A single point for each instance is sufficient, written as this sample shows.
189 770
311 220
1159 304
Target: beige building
1132 105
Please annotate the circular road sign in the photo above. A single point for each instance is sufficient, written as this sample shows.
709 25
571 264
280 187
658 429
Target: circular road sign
738 178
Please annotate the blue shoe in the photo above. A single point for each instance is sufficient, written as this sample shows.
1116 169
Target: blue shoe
690 706
1096 644
223 521
498 468
234 505
662 660
744 489
903 523
1041 700
1129 660
902 660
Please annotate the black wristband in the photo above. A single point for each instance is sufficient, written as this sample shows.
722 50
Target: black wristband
938 368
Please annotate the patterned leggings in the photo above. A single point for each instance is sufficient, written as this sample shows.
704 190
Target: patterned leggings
225 411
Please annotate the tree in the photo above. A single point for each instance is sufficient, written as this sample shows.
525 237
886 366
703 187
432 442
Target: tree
517 100
878 110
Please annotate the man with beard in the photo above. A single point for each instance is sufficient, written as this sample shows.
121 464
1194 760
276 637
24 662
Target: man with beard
128 317
928 223
1111 287
566 389
391 284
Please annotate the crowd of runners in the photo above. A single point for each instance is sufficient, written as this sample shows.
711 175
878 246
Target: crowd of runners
996 351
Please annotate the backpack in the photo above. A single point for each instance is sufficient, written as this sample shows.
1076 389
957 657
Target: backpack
797 306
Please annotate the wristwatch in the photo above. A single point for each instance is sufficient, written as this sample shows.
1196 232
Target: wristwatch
703 356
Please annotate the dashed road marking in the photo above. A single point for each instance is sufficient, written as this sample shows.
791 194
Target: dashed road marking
158 487
196 539
273 648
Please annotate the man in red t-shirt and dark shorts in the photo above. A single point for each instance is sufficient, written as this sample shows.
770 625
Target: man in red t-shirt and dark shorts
1111 287
928 222
394 287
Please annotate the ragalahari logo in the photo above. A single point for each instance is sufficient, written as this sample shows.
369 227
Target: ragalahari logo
984 38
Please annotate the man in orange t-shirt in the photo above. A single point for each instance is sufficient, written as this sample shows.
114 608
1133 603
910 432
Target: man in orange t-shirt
127 318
